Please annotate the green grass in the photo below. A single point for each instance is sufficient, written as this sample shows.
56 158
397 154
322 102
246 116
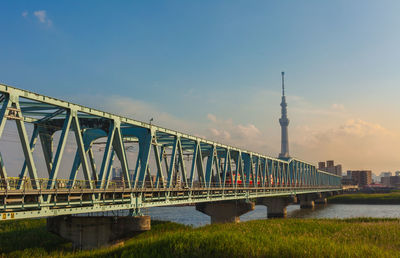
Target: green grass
362 198
360 237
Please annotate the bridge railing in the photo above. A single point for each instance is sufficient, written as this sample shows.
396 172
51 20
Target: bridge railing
27 184
160 152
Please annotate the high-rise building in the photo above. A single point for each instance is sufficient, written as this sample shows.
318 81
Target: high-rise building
391 181
346 180
385 178
394 181
330 163
337 170
330 167
386 174
284 122
360 177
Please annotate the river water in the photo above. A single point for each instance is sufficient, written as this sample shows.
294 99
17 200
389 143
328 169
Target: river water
189 216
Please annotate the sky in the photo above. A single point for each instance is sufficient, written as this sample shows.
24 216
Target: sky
212 69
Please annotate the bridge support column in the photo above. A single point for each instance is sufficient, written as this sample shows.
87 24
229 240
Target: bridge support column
225 211
276 206
307 201
94 232
322 199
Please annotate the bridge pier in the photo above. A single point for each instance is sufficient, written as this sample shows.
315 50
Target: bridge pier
276 206
322 199
94 232
225 211
328 194
307 201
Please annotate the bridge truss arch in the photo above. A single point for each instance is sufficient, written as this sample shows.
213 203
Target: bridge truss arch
168 167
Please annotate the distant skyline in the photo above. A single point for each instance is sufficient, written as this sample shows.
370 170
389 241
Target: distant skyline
212 68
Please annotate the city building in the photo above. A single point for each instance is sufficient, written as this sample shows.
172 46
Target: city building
391 181
116 174
347 180
360 177
385 180
330 167
386 174
375 179
394 181
397 173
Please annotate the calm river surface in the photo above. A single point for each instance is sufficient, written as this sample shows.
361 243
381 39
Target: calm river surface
189 216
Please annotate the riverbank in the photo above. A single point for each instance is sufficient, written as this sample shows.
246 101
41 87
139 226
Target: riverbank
360 237
363 198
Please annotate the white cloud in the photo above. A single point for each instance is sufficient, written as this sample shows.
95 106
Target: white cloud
359 128
356 143
212 118
246 136
41 15
249 130
220 134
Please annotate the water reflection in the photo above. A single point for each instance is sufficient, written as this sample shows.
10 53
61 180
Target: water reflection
189 216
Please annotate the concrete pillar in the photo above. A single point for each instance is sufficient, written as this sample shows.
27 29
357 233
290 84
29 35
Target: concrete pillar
225 211
276 206
307 201
322 200
94 232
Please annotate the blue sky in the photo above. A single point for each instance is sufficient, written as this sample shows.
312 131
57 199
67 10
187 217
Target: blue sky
213 68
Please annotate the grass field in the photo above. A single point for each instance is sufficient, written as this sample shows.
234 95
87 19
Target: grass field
361 198
361 237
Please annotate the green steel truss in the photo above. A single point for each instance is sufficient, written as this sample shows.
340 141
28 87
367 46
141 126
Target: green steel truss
170 167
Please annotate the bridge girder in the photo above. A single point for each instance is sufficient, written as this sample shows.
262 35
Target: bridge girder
208 171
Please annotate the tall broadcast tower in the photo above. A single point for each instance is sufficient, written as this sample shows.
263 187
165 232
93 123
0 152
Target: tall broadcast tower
284 121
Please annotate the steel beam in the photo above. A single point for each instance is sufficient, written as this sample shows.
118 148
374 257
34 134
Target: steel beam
260 175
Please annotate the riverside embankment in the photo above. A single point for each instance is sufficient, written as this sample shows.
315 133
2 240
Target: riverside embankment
359 237
363 198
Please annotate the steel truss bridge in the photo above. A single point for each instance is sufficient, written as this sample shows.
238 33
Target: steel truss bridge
169 167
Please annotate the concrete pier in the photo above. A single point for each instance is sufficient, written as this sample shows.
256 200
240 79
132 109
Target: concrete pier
307 201
94 232
276 206
225 211
321 200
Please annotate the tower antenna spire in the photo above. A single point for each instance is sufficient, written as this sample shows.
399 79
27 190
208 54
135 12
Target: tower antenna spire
284 122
